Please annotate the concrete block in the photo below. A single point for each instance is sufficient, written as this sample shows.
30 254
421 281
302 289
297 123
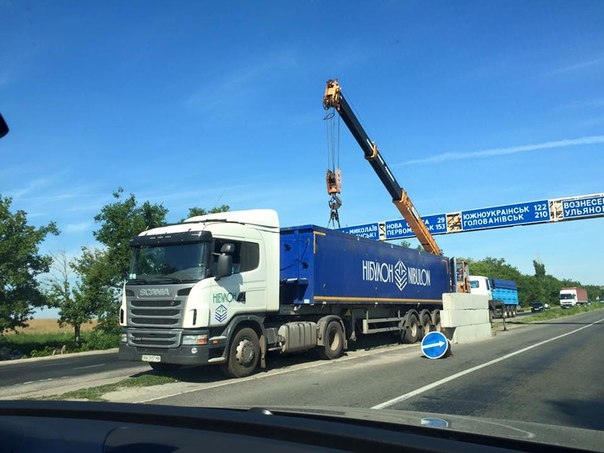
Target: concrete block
468 334
457 318
463 301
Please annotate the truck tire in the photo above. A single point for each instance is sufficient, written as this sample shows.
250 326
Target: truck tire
411 332
334 341
244 354
426 322
164 367
436 321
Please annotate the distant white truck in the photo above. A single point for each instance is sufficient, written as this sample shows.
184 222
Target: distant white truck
569 297
503 295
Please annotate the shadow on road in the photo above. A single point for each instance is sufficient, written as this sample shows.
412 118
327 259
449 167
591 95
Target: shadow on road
274 361
581 414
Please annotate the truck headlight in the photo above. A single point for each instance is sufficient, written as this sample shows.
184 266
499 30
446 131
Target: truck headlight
189 340
124 338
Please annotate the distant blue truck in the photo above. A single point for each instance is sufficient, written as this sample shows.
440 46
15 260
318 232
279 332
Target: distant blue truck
503 295
228 288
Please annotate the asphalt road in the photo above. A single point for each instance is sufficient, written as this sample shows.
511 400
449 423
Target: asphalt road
53 375
547 373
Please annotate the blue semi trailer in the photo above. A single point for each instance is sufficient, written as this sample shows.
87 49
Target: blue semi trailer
228 288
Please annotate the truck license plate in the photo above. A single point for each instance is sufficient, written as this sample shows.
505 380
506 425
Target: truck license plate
151 358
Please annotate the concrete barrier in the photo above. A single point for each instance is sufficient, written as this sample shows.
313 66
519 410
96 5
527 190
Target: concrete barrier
465 317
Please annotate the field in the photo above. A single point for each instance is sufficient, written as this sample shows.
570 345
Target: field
41 326
44 337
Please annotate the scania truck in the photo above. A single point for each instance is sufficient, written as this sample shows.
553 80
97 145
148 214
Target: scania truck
228 288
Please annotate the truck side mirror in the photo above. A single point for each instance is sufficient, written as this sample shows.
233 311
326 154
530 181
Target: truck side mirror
224 267
3 127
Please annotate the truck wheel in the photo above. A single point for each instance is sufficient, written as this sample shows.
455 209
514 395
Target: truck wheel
334 341
244 354
164 367
411 333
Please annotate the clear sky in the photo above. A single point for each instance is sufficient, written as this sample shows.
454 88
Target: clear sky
202 103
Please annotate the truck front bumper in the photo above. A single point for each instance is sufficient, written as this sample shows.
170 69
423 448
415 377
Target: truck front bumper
180 355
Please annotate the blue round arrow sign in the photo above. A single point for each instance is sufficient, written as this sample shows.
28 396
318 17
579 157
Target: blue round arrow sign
435 345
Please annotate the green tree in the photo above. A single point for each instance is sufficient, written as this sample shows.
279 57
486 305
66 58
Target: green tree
537 291
193 212
495 268
408 245
539 269
63 292
20 264
99 288
121 221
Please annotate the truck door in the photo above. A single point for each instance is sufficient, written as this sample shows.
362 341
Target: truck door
244 290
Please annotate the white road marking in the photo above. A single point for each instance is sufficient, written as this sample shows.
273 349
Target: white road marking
89 366
425 388
40 380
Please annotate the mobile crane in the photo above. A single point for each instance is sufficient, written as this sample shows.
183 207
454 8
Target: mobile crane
334 98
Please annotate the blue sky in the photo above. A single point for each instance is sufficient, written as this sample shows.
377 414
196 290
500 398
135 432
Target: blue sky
472 104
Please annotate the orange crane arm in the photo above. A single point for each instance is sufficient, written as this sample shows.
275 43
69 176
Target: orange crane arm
334 98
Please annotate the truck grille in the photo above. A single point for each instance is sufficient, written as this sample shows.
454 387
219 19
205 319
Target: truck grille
155 313
154 338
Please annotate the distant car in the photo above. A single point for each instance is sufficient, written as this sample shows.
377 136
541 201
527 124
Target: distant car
538 306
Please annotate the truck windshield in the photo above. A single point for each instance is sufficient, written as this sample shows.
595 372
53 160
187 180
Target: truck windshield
169 262
567 296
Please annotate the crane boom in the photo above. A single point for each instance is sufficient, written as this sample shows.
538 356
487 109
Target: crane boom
334 98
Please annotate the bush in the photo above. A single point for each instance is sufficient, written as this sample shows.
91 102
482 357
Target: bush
99 340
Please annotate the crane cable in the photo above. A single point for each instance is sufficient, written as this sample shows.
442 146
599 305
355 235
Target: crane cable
334 175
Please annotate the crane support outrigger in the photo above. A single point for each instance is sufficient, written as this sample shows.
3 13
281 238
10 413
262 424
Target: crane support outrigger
335 99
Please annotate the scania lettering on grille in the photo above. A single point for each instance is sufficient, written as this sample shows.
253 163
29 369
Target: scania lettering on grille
153 292
398 274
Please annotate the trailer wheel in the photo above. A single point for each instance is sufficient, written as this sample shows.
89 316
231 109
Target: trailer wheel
411 333
244 354
426 322
164 367
436 321
334 341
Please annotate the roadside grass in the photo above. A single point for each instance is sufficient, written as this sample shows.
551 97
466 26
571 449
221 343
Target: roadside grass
558 312
96 393
44 337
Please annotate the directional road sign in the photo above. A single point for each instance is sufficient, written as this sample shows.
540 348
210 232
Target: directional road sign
369 231
435 345
400 229
526 213
583 207
503 216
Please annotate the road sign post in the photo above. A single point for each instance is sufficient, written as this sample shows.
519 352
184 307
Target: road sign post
435 345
